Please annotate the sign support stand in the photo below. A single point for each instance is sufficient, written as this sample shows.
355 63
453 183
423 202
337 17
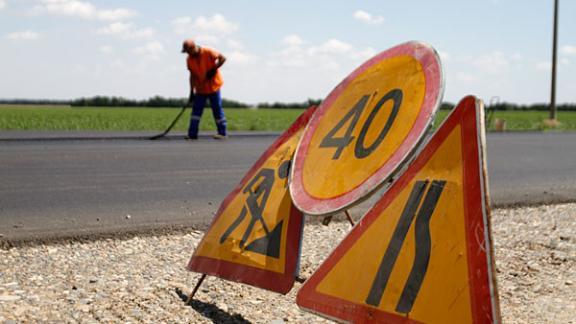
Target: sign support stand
326 220
191 297
349 218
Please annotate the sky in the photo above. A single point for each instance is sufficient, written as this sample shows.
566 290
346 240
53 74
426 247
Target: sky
279 51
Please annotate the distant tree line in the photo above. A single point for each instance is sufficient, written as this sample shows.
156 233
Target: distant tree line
284 105
105 101
515 107
34 102
161 102
537 106
154 102
446 106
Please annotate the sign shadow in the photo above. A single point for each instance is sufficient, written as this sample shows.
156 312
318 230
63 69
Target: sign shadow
211 311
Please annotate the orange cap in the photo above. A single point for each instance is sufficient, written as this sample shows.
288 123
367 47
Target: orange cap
189 43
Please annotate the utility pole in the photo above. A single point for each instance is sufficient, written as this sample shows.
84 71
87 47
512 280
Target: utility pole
554 45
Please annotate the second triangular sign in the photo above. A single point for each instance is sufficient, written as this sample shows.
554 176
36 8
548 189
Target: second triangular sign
423 253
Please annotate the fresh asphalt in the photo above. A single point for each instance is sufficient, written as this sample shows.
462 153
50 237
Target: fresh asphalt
56 185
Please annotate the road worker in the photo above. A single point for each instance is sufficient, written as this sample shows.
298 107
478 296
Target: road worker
205 83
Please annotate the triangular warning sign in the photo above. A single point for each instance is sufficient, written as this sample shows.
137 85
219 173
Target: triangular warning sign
423 253
256 234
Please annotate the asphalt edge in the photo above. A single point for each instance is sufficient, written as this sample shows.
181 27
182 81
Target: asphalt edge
171 229
130 137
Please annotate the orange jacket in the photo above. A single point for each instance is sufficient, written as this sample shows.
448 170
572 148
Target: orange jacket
198 66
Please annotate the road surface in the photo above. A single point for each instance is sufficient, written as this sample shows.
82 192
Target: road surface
61 188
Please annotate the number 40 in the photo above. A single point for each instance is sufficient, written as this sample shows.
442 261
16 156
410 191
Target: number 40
360 150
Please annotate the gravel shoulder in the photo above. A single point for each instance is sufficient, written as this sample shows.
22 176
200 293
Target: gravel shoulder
143 279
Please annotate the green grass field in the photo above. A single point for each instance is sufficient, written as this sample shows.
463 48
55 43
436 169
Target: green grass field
136 119
64 118
525 120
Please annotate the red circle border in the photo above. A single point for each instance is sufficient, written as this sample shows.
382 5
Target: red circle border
434 84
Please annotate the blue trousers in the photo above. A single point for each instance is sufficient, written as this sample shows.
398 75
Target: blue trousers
217 112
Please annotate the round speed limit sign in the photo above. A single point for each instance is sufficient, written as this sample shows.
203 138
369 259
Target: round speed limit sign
366 129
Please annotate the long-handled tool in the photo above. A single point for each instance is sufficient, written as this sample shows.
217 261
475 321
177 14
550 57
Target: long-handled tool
171 125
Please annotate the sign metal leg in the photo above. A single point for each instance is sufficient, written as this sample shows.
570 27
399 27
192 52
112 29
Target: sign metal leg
191 297
349 218
326 220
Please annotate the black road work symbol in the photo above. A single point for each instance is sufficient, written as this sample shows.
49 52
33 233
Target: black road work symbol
423 245
258 190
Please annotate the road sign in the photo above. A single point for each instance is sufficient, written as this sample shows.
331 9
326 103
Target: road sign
423 253
366 128
255 236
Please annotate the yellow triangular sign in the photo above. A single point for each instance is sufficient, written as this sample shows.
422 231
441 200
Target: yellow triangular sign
256 234
423 252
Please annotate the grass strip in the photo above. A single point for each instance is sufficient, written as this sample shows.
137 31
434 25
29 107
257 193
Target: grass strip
64 118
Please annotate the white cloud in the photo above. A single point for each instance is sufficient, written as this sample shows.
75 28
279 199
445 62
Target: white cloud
207 40
332 55
125 31
240 58
181 24
308 70
118 64
445 56
81 9
207 31
67 8
23 35
106 49
363 55
116 14
332 46
236 45
494 63
151 50
293 40
115 28
368 18
465 77
290 57
547 65
217 25
2 4
544 66
570 50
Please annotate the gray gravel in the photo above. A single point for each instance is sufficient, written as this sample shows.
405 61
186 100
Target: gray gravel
143 279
